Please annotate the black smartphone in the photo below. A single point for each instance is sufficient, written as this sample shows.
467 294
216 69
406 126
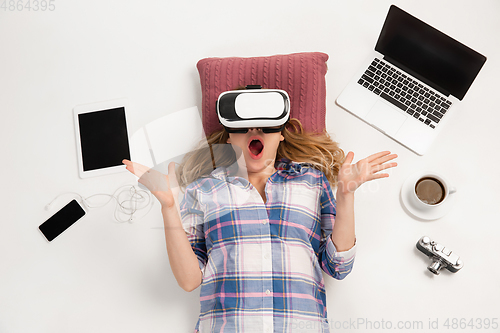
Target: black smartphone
62 220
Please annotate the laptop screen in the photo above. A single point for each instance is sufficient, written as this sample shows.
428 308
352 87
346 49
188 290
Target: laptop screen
428 54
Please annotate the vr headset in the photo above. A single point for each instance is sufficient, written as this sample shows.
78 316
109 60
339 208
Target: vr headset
267 109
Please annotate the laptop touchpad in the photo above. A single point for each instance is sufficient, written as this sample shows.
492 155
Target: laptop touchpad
386 117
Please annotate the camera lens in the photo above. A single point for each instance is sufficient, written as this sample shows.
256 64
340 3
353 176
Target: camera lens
435 266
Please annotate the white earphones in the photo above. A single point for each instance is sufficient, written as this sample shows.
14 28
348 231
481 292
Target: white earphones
129 200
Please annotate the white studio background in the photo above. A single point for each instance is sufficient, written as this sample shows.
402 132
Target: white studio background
102 276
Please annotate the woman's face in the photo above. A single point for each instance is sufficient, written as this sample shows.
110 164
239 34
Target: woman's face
258 149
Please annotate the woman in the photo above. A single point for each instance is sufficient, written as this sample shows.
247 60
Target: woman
257 231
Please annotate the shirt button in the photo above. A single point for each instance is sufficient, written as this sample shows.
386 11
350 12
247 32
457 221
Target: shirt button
268 292
264 221
267 256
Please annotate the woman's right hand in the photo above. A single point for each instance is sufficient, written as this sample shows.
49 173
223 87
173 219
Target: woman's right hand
182 259
164 187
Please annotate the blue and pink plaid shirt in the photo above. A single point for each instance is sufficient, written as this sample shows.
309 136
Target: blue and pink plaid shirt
262 262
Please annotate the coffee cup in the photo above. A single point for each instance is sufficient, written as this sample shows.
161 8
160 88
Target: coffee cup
431 190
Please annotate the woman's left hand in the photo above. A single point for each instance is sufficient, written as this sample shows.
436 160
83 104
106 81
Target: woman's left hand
351 176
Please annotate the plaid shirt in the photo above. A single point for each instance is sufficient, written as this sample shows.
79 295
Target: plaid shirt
262 262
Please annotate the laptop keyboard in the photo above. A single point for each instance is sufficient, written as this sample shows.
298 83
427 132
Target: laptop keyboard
404 92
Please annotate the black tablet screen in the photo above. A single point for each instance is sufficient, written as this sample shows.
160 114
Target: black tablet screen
104 138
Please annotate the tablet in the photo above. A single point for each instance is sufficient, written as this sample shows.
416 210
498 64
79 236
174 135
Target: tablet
102 139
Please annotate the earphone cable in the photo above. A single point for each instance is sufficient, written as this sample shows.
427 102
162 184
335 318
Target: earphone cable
129 199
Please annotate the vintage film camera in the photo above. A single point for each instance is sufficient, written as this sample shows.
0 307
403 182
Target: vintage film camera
441 256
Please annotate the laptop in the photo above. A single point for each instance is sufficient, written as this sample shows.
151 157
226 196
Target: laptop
409 87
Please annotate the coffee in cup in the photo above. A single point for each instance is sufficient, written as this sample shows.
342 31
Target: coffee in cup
431 190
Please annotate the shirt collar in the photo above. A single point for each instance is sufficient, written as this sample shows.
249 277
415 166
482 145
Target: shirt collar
228 174
286 167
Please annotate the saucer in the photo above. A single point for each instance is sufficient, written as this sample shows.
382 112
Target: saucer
432 213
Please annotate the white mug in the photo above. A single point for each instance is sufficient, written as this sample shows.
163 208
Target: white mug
446 190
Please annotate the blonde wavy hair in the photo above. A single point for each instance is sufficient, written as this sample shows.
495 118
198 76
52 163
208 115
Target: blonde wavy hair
315 149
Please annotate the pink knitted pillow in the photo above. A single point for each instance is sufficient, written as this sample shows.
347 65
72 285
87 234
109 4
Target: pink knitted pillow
301 75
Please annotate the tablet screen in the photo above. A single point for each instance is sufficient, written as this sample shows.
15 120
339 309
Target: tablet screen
103 138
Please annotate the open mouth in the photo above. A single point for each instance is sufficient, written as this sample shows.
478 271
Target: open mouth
255 147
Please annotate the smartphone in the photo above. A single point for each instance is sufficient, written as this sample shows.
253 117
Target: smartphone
62 220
